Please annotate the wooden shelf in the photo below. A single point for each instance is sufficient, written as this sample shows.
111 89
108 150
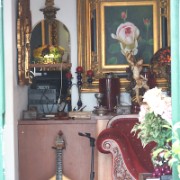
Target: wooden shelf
51 67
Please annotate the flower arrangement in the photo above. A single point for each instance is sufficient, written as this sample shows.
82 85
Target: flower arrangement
155 121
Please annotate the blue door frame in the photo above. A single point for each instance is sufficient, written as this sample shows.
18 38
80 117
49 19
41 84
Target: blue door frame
175 65
2 95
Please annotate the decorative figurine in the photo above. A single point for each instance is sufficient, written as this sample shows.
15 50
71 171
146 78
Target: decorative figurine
136 68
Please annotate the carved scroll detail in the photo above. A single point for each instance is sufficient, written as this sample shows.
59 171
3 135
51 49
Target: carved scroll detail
164 7
120 171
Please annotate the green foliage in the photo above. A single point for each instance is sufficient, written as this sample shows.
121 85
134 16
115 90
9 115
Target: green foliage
153 129
171 154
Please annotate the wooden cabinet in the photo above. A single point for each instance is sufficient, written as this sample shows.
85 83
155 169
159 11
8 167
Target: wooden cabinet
37 158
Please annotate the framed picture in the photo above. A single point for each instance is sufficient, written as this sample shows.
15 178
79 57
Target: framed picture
134 22
98 46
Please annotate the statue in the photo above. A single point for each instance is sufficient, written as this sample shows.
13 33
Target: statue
140 80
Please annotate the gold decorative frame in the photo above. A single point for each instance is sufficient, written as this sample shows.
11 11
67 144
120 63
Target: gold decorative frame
23 40
95 60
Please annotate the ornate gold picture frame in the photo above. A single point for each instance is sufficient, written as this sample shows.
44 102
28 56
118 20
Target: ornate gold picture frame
92 35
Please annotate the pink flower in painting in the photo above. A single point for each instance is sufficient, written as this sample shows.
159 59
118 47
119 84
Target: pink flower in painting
146 22
124 15
127 34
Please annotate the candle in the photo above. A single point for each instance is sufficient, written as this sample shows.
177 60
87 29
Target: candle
69 77
89 74
79 69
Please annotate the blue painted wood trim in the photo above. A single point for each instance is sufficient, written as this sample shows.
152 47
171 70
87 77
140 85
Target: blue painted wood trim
175 68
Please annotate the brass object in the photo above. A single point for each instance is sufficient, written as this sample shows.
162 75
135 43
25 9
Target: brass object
99 97
49 11
101 111
89 12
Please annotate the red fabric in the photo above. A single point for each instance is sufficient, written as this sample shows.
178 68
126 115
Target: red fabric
137 158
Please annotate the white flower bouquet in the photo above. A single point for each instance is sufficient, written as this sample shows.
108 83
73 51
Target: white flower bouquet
154 117
155 121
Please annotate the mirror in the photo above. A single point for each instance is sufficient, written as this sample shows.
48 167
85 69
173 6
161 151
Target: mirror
98 51
44 48
50 46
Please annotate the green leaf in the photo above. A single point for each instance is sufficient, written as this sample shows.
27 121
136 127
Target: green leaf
114 48
112 60
157 151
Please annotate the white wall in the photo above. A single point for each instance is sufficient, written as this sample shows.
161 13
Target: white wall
16 96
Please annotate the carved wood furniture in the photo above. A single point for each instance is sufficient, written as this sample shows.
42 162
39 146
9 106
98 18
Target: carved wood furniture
37 159
129 158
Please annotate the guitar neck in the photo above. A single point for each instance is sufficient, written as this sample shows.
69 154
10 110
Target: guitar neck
59 164
60 145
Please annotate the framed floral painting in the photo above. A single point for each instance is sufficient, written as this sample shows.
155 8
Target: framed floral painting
107 29
128 27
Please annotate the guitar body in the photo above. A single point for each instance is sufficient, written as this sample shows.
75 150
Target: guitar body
60 145
63 178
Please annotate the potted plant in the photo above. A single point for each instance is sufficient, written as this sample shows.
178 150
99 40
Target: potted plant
172 155
155 122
